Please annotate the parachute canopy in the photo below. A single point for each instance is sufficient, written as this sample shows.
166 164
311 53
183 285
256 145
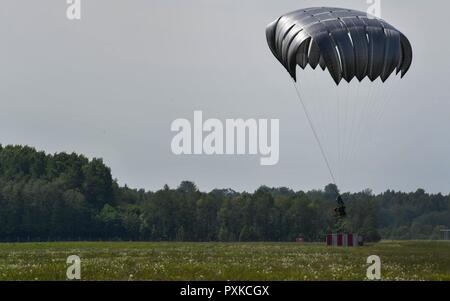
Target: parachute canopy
348 43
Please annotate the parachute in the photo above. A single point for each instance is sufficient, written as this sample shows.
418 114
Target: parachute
349 44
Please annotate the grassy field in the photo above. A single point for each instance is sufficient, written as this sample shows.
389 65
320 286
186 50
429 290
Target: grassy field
418 260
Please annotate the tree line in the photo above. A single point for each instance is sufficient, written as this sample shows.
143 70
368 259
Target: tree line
69 197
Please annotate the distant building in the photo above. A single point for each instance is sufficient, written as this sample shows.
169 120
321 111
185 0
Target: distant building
300 239
344 240
446 234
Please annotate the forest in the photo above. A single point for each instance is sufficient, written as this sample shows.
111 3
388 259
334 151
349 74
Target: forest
57 197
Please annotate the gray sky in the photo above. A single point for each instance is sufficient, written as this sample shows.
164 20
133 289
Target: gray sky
111 84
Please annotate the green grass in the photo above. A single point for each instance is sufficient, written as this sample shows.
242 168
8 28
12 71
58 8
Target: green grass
413 260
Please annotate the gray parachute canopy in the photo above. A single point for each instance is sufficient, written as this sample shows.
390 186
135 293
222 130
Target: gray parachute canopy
348 43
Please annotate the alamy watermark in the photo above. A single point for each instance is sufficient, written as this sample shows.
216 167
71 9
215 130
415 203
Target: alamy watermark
374 270
73 11
232 137
374 8
73 271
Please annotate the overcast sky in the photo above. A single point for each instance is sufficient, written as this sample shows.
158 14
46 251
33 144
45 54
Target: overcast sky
110 85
